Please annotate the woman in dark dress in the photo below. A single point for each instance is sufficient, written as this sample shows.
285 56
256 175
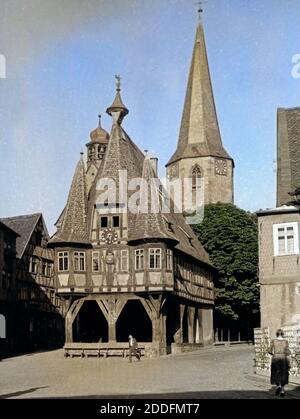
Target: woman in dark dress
280 365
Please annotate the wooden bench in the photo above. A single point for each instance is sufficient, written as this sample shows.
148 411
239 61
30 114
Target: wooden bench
82 349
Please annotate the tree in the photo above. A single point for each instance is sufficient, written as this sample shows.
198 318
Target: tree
230 237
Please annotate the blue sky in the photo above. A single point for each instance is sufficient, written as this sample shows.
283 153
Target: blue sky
61 60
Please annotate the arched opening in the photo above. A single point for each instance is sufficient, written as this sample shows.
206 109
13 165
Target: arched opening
2 326
173 323
90 325
185 326
196 174
134 320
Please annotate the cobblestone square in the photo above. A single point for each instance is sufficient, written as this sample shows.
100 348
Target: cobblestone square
208 373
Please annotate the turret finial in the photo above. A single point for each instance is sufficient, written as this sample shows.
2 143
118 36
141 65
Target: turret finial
99 116
118 82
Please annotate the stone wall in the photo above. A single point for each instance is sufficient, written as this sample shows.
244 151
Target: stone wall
262 342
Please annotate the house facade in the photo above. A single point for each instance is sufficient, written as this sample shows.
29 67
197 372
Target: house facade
38 310
7 289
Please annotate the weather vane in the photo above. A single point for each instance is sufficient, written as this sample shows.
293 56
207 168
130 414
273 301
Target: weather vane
200 9
118 81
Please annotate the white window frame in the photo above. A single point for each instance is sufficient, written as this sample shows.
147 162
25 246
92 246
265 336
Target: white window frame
80 256
155 252
96 256
139 256
63 255
276 235
124 257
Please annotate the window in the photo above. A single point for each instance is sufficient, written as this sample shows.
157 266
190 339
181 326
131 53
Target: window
79 261
116 221
33 265
44 268
155 258
139 259
285 238
49 269
104 222
63 261
96 262
196 173
124 260
169 261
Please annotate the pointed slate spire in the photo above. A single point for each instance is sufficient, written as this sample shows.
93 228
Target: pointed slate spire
73 226
199 133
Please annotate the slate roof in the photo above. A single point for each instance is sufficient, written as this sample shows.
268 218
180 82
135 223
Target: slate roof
24 225
288 153
10 230
199 133
72 227
165 226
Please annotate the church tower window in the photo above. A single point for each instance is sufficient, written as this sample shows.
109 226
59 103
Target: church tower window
196 174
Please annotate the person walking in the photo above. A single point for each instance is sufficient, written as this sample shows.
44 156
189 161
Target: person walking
280 364
133 348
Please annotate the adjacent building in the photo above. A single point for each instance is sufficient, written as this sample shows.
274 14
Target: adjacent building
7 288
279 252
200 153
37 309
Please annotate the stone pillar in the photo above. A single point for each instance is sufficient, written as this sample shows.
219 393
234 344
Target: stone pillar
207 325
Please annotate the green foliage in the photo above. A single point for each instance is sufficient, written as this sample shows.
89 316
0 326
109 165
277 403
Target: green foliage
229 235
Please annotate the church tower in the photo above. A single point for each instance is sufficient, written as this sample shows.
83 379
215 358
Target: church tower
200 153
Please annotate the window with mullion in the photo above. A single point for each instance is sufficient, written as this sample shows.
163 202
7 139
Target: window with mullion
155 258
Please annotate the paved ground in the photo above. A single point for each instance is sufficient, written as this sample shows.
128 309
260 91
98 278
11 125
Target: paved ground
209 373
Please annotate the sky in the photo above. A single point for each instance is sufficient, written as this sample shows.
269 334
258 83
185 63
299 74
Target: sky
61 58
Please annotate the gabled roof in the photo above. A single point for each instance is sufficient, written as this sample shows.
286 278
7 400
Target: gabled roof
24 225
72 227
199 133
10 230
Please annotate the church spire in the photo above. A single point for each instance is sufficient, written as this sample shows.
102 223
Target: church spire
199 133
